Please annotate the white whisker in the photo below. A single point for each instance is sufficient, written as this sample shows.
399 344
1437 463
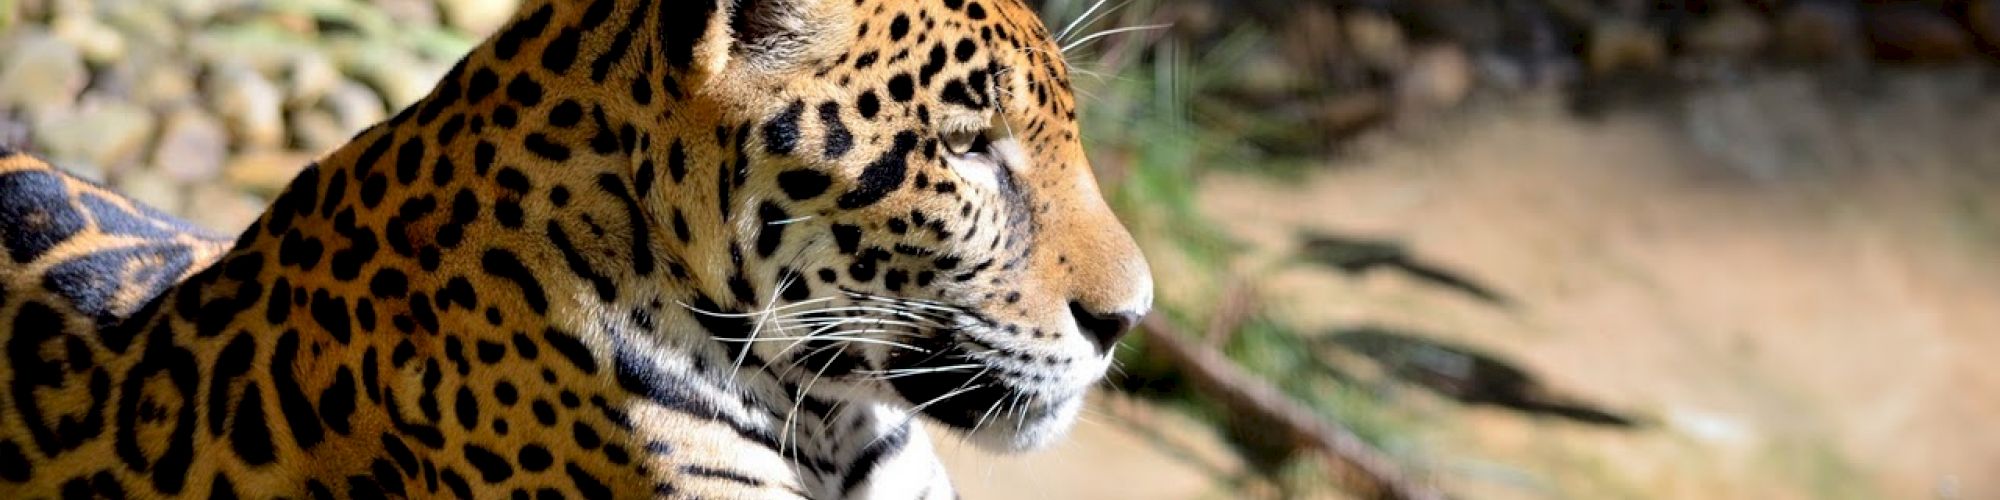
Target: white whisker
1079 21
1101 34
907 372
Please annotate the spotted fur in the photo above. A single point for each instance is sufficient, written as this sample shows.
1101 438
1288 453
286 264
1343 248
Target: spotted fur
625 248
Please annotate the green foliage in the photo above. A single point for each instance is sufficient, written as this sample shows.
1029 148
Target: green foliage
1153 139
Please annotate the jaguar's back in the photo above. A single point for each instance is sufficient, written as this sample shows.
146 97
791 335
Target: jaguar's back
78 251
715 249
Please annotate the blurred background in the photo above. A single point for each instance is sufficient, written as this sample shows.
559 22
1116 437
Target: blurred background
1405 248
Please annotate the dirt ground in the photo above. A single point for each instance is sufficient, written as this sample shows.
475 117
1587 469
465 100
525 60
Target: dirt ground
1793 284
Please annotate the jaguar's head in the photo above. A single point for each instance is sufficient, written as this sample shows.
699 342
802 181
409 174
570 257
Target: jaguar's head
909 213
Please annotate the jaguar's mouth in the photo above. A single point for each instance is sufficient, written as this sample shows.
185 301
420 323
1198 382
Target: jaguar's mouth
1006 386
1003 401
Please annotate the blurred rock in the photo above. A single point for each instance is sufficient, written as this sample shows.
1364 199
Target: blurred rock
1733 33
1914 33
1266 74
1471 23
99 43
163 82
263 45
355 106
41 72
311 76
1375 39
1439 77
400 76
152 188
1982 17
316 129
251 105
197 12
411 12
1624 46
1311 42
147 24
266 171
1348 113
479 17
192 146
104 133
222 208
1819 31
14 132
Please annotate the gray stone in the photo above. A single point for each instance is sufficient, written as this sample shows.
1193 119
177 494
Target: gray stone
146 24
266 171
41 73
192 146
106 134
411 12
402 77
163 82
266 46
197 12
250 104
1731 33
478 17
316 129
354 106
1983 18
154 189
222 209
99 43
1376 39
309 78
1439 77
1915 33
1619 45
1820 31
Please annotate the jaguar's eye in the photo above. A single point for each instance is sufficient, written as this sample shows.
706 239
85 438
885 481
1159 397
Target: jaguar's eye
966 142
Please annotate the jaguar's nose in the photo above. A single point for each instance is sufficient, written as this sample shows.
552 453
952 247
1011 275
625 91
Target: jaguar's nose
1103 329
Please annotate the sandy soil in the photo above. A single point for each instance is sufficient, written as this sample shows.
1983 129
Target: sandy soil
1795 287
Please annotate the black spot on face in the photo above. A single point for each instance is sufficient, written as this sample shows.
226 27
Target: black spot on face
803 184
781 133
965 50
902 88
771 228
838 139
868 104
883 176
899 28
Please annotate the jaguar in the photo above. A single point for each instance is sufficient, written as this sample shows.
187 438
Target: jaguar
624 248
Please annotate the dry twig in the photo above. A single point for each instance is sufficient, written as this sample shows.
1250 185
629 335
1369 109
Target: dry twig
1358 464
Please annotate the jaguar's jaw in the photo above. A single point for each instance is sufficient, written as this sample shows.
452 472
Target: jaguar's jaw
1029 428
1001 400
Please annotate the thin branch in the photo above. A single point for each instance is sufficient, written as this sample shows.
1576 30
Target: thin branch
1360 466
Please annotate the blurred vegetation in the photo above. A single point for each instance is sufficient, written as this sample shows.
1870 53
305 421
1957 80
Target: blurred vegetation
1154 128
1174 91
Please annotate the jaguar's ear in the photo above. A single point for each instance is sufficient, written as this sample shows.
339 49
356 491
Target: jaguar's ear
761 34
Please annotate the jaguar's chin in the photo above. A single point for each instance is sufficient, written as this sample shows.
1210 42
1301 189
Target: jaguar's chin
993 415
1029 429
999 401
